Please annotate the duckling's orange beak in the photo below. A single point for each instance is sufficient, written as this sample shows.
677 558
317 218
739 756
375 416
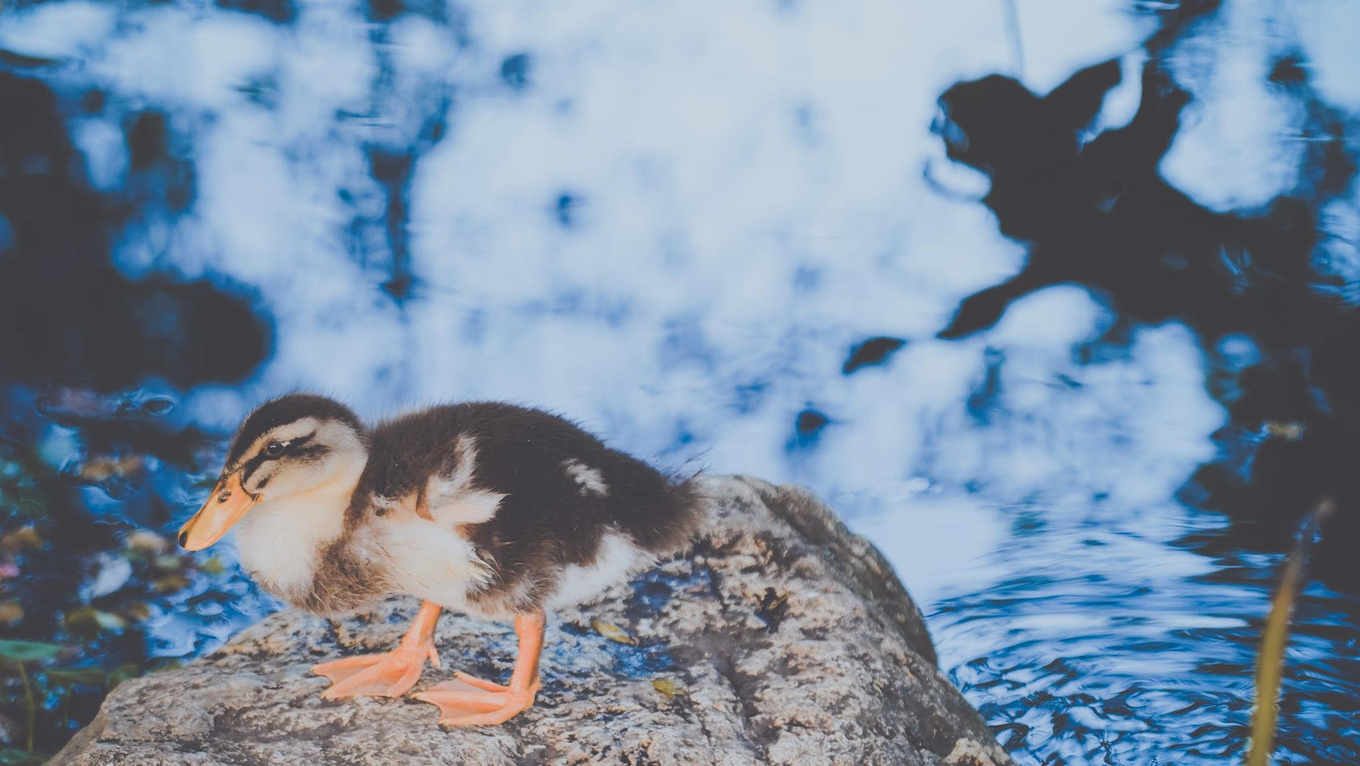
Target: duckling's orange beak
228 503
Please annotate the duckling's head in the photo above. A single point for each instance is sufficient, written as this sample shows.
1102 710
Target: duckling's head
287 448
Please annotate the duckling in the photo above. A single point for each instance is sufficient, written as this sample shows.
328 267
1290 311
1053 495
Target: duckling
491 509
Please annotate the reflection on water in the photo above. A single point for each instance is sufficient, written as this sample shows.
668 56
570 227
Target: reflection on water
1029 319
1093 208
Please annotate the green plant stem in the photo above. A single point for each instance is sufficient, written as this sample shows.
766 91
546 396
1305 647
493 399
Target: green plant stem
1270 663
29 703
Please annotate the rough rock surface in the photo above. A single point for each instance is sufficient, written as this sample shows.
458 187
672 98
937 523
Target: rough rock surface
782 638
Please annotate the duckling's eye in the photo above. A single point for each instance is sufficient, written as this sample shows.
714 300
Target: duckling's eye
274 449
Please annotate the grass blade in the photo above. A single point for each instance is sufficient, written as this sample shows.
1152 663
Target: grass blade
1270 663
31 705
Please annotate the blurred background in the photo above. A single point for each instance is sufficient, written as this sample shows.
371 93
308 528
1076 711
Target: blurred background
1054 300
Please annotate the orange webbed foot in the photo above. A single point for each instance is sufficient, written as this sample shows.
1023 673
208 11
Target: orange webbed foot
470 701
376 675
385 675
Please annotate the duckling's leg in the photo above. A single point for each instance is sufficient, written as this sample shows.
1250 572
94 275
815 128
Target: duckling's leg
386 675
471 701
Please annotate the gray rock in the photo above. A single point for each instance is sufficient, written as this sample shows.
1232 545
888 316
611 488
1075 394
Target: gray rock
783 638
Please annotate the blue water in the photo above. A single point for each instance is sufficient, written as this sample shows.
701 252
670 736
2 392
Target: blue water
676 223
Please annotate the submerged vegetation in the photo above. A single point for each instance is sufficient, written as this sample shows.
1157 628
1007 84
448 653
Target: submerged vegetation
78 595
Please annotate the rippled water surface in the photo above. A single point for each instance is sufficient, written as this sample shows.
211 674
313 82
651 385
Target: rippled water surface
1053 300
1097 640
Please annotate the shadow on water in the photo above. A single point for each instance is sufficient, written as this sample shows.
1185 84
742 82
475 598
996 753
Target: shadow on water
1095 211
91 444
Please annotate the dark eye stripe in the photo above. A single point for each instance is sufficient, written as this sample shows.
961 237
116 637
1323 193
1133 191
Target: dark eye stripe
316 450
290 447
252 465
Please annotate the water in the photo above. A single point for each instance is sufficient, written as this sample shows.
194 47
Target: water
1086 638
728 235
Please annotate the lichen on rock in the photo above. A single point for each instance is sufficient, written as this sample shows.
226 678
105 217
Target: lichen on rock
781 638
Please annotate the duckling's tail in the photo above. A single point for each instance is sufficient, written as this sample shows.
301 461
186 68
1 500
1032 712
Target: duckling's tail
683 505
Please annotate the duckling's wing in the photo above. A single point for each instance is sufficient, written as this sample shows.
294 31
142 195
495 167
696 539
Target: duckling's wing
449 497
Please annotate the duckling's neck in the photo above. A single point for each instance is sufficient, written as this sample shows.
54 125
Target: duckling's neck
280 542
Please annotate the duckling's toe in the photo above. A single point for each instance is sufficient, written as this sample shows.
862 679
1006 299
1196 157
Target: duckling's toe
471 680
375 675
471 701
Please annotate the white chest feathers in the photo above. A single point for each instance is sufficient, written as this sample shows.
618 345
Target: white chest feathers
280 542
425 560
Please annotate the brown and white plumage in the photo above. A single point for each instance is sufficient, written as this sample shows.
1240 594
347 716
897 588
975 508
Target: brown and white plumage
487 508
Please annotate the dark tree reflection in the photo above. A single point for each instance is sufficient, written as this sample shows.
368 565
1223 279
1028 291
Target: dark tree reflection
1096 212
66 312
